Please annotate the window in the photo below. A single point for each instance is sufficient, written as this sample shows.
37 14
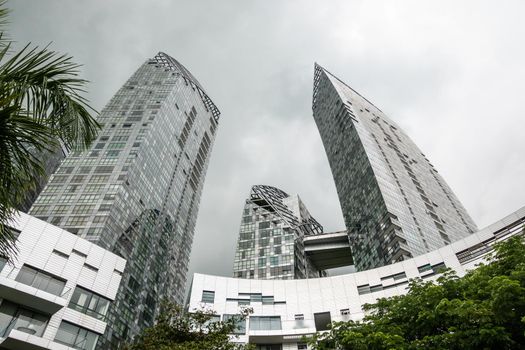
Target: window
268 347
208 296
89 303
12 316
83 209
76 337
77 220
56 220
376 288
364 289
117 145
437 268
99 178
90 267
423 268
267 300
322 321
256 298
264 242
240 324
263 323
104 207
104 169
84 170
112 153
65 170
213 319
264 224
345 311
99 219
78 178
60 254
41 280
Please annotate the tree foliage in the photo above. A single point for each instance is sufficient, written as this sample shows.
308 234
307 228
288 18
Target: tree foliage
179 330
41 108
485 309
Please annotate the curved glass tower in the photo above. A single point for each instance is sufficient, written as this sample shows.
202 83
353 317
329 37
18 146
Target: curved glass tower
136 191
273 227
395 203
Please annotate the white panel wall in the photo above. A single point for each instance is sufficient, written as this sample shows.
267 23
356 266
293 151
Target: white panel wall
36 243
333 294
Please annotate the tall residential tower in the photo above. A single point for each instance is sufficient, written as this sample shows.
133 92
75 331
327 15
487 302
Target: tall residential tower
136 191
395 203
271 238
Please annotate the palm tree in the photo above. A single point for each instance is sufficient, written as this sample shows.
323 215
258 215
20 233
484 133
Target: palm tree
41 108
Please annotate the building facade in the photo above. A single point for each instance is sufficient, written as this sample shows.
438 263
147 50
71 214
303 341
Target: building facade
136 191
56 293
270 244
285 311
50 161
395 203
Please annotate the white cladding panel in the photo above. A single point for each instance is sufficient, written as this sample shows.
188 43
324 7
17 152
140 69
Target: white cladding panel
68 257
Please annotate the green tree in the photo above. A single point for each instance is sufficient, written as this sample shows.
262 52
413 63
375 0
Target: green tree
41 108
179 330
485 309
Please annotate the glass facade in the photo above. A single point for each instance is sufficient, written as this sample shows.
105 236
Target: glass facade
40 280
270 237
265 323
136 191
75 337
89 303
395 203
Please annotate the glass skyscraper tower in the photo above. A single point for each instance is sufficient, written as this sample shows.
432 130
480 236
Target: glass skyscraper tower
270 244
136 191
395 203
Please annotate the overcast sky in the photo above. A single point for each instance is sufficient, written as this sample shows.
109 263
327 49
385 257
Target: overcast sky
451 73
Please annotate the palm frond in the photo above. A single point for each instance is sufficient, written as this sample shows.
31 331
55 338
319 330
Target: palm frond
48 86
20 139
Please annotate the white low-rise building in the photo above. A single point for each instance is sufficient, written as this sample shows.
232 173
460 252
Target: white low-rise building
286 310
55 294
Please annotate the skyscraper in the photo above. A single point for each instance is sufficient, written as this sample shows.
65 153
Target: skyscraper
51 162
270 244
136 191
395 203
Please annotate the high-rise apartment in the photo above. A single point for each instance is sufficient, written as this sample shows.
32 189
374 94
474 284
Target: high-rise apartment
273 227
50 161
395 203
136 191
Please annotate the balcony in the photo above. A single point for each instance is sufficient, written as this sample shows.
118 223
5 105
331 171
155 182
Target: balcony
30 296
21 328
17 340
